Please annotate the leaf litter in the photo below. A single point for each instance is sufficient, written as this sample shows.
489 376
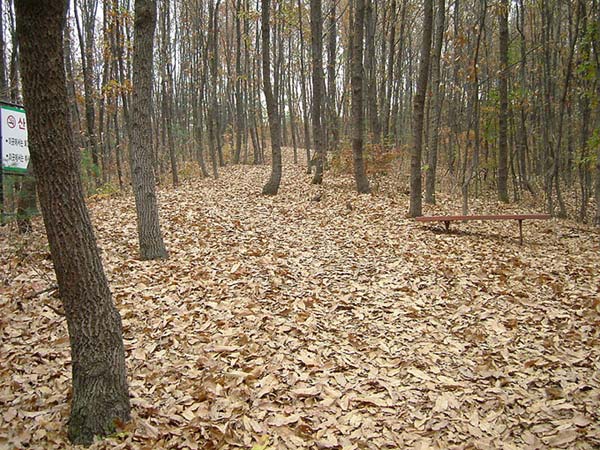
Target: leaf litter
281 322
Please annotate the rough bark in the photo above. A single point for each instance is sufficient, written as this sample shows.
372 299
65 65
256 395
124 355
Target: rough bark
142 175
272 185
26 201
432 156
360 176
415 207
100 392
332 118
503 93
3 83
86 42
239 105
305 118
318 79
370 72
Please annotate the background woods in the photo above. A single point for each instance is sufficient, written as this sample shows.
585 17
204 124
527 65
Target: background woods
498 96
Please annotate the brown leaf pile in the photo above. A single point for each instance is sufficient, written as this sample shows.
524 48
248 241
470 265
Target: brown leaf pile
333 324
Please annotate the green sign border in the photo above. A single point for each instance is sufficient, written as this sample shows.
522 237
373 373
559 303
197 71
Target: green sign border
14 170
9 169
13 108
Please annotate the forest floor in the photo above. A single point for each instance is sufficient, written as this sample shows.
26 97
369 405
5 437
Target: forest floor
334 324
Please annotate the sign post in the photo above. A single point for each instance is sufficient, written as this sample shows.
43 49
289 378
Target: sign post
14 146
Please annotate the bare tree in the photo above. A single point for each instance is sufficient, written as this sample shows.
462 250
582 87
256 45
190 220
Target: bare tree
142 176
415 206
100 391
318 79
503 92
360 176
272 185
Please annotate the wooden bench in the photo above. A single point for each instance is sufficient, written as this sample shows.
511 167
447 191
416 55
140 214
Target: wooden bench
518 217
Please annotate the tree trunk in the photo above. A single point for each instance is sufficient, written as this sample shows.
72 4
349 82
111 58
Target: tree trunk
522 130
239 106
272 185
318 79
597 58
360 176
305 117
142 177
86 41
332 121
100 392
415 207
3 83
437 105
503 93
369 67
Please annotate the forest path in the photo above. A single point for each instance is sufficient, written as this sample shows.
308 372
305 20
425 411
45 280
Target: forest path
330 324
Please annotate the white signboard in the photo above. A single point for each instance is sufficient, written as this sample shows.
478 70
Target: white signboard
13 131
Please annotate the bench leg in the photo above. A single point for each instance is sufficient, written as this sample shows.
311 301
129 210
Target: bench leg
447 225
520 231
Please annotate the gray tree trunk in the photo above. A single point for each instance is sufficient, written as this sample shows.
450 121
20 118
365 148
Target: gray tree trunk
100 391
360 176
272 185
318 92
432 155
142 176
415 206
503 92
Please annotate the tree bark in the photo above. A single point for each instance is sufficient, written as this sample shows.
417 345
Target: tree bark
272 185
415 207
305 116
360 176
100 392
142 177
332 120
503 93
432 156
239 106
318 79
370 73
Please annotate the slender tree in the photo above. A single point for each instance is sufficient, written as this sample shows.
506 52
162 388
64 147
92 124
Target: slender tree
142 176
503 93
360 176
436 117
272 185
415 207
100 393
318 79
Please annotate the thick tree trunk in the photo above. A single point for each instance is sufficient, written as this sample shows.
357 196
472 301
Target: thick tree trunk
272 185
360 176
415 207
318 79
26 202
142 177
503 93
100 392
